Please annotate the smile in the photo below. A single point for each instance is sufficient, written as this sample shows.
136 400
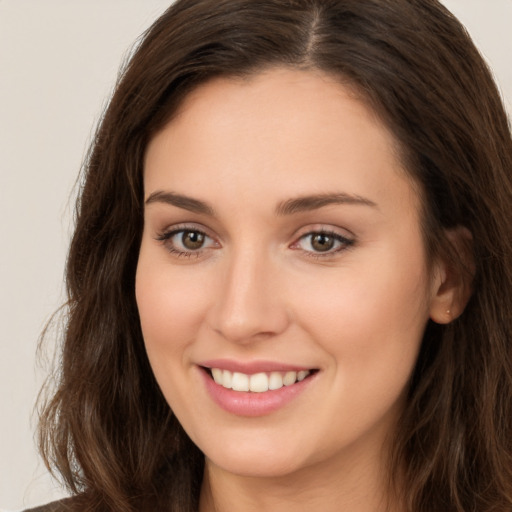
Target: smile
257 382
255 388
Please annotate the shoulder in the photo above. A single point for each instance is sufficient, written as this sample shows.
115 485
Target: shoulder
65 505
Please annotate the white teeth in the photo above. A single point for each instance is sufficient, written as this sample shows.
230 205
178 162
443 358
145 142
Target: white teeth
302 375
289 378
227 379
275 381
217 375
258 382
240 381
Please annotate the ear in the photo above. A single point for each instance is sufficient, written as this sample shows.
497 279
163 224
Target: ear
453 277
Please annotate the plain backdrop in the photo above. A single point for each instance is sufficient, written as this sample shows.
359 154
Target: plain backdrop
58 63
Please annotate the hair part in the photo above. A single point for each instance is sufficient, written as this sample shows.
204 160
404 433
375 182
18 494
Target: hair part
108 431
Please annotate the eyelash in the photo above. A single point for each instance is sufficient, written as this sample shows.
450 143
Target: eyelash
344 243
166 237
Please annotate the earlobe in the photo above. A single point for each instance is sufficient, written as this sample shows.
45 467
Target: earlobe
453 277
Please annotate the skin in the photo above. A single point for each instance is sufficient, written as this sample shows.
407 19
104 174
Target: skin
258 289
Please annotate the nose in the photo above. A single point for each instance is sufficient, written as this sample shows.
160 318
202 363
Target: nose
249 305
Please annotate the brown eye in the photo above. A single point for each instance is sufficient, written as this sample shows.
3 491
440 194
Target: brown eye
322 242
187 242
192 240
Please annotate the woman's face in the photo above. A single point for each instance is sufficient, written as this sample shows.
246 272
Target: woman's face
282 253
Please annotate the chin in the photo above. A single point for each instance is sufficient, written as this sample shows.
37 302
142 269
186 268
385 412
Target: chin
258 461
248 466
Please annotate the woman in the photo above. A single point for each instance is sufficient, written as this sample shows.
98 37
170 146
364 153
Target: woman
290 280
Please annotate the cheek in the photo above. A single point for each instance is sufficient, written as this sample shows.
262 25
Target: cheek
371 325
171 306
371 320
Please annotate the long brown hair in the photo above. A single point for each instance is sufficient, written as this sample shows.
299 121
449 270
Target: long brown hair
107 429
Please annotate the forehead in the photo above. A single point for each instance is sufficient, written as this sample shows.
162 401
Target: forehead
280 132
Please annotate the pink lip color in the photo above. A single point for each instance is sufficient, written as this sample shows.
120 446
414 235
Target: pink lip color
253 404
251 367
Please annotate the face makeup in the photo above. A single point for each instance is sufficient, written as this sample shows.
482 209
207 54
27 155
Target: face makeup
282 282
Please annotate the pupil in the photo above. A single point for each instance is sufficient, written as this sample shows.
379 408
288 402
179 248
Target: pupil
193 240
322 242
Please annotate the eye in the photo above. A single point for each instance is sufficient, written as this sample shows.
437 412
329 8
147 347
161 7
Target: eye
191 240
322 243
186 242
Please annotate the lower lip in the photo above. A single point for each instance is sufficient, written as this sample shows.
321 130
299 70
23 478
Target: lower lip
253 404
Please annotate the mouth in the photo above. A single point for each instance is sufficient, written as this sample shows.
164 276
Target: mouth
260 382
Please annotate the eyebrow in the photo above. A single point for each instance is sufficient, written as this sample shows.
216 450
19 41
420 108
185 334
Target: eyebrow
288 207
314 202
181 201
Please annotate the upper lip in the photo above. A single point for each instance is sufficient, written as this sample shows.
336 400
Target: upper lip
252 367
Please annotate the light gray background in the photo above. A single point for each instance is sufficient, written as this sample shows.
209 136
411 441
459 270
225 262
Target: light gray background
58 63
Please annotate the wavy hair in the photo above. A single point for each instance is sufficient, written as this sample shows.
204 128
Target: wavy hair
106 428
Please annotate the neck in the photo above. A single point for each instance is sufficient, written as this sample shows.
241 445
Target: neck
360 486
